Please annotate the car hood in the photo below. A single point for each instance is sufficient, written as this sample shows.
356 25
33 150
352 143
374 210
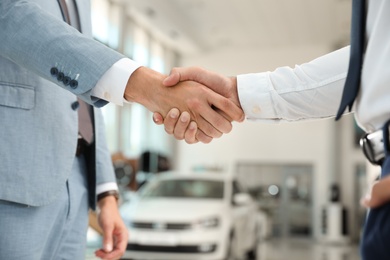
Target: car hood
175 210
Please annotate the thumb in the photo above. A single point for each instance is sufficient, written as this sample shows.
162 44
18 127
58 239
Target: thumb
158 118
182 74
107 239
172 79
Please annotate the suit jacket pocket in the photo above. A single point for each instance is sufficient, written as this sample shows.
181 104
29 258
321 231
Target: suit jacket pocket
17 96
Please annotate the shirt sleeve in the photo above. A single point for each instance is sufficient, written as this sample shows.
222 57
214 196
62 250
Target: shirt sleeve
106 187
308 91
111 86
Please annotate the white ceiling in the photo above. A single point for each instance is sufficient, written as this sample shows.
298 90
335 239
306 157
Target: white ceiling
207 25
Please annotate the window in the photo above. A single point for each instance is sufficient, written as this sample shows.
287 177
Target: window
130 128
100 20
196 189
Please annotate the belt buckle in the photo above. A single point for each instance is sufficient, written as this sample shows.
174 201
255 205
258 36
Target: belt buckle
374 151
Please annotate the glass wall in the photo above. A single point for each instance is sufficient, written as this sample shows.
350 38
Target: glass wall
130 129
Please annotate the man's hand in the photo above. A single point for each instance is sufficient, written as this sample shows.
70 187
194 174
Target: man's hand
378 195
115 235
145 87
220 84
183 128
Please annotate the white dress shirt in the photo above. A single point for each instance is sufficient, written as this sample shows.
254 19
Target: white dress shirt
314 89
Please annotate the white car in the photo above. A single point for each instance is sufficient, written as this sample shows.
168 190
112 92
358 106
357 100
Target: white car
197 216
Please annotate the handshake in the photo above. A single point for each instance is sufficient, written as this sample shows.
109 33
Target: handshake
193 104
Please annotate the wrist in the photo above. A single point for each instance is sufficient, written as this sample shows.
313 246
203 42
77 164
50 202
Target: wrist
107 197
142 87
234 91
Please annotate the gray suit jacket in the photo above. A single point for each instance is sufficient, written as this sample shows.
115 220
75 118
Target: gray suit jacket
38 123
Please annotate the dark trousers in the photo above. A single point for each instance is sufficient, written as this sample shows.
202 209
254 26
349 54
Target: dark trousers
376 237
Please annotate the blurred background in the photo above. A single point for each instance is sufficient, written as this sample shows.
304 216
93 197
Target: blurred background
306 178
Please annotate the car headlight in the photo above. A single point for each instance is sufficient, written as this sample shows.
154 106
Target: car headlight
211 222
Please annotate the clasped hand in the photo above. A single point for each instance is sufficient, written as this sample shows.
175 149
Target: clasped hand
183 126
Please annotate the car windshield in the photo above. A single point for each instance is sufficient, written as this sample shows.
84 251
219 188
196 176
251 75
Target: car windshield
202 189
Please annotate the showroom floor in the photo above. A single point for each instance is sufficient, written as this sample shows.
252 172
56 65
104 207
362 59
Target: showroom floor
297 249
304 249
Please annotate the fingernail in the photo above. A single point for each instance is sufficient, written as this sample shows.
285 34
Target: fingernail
184 118
174 114
108 248
192 126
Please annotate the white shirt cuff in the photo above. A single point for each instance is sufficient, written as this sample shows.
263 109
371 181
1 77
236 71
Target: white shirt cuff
106 187
253 90
111 86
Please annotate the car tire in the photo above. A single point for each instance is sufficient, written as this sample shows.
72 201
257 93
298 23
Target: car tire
231 251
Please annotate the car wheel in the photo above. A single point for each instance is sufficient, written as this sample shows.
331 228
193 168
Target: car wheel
231 251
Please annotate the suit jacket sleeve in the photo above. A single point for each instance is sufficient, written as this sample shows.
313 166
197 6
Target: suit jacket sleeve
38 40
104 169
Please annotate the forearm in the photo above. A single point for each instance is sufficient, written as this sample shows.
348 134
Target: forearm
308 91
143 87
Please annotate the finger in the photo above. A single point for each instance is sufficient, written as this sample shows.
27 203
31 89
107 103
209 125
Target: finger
208 120
181 125
190 134
158 118
214 124
231 110
212 80
115 254
173 78
121 239
210 127
202 137
171 120
108 243
222 113
197 74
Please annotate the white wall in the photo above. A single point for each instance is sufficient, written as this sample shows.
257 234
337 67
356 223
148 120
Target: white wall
306 142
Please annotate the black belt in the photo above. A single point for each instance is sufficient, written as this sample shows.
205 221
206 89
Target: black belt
375 145
81 146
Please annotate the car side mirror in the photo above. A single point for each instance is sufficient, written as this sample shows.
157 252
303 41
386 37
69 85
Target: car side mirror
242 199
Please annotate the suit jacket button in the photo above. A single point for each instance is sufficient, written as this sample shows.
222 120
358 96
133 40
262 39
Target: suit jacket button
66 80
60 76
54 71
75 105
74 83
